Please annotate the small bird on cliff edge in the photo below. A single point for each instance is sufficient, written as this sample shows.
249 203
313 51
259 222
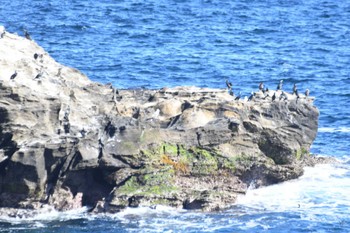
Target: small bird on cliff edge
274 96
251 96
228 84
283 96
238 96
280 85
231 92
39 75
261 86
307 92
2 32
14 75
295 89
26 35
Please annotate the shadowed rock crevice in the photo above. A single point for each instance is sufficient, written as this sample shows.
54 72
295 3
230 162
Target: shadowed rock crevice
274 148
7 145
94 187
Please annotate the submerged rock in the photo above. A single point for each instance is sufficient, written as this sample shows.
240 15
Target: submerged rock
68 142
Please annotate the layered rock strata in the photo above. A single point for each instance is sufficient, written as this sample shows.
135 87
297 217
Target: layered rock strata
68 142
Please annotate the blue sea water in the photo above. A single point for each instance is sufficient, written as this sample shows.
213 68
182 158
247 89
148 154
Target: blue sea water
157 43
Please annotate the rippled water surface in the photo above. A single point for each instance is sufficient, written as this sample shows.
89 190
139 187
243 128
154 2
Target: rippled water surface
158 43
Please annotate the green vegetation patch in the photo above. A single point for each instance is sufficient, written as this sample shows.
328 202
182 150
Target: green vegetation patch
193 160
204 162
230 164
299 154
156 183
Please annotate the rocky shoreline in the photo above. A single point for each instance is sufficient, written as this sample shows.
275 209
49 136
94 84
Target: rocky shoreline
68 142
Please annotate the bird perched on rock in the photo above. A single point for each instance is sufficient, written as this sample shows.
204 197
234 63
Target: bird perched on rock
274 96
307 92
283 96
266 91
26 35
14 75
251 96
280 85
238 96
83 133
295 89
39 75
261 86
298 97
231 92
2 32
228 84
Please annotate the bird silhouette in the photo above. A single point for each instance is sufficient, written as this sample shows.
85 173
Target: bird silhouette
14 75
280 85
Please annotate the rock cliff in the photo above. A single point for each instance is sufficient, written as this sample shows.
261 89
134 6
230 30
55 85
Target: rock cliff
68 142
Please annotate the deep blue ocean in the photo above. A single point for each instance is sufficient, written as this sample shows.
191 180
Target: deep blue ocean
157 43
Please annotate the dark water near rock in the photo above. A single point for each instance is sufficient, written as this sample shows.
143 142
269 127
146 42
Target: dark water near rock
158 43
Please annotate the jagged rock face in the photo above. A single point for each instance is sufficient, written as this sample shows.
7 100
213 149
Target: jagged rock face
68 142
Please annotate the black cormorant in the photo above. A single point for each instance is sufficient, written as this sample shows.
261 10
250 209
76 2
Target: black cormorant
38 76
231 92
26 35
251 96
238 96
14 75
283 96
261 86
228 84
295 89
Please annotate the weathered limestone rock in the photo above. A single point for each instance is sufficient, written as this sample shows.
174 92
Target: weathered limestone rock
69 142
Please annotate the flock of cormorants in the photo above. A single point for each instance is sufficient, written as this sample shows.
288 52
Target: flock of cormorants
266 92
229 85
36 56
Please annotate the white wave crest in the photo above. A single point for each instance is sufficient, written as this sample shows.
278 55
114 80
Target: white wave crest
323 187
334 130
41 216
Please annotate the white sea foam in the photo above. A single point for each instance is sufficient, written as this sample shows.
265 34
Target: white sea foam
38 218
322 188
334 129
145 212
62 216
166 219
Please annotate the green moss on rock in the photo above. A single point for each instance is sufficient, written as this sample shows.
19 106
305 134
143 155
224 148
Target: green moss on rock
299 154
157 183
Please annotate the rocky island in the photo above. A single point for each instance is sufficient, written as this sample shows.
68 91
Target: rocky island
68 142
